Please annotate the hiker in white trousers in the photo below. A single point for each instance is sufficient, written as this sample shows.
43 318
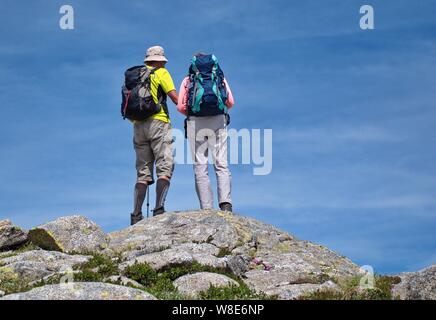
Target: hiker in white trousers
206 126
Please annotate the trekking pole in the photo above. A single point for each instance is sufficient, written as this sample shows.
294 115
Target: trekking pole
148 201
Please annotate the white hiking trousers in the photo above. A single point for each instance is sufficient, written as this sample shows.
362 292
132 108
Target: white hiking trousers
208 135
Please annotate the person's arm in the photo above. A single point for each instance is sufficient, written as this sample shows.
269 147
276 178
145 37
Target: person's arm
230 101
167 84
173 96
182 106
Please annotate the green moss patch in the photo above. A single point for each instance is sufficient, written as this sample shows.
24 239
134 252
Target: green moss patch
349 290
224 252
241 292
43 239
96 269
160 284
10 282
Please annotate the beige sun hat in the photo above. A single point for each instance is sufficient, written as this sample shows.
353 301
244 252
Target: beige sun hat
155 53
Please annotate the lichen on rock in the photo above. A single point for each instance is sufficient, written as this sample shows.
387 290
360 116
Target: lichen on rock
420 285
36 264
192 284
82 291
72 234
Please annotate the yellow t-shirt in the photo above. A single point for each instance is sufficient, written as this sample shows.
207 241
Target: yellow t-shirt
161 77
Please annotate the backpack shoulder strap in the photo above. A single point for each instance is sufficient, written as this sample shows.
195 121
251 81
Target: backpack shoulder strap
217 72
146 73
161 95
198 90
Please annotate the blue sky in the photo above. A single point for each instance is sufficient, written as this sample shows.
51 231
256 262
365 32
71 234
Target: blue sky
352 113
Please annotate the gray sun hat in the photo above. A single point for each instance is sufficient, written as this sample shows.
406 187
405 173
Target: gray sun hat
155 53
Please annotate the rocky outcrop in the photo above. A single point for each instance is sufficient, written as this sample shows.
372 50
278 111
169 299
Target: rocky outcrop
37 264
192 284
184 253
73 234
419 285
266 258
11 236
228 236
82 291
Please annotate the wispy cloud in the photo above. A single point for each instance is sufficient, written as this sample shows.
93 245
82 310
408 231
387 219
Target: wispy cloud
337 134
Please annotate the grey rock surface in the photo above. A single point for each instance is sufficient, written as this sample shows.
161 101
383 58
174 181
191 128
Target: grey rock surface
72 234
192 284
8 253
184 254
307 264
124 281
224 231
82 291
295 291
238 265
11 236
36 264
420 285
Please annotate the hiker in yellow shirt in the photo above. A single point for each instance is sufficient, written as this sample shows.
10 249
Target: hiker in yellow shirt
153 137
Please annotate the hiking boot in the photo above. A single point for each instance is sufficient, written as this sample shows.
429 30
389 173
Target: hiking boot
158 211
135 218
226 206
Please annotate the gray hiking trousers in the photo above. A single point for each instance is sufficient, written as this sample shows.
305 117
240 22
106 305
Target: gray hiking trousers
209 135
153 143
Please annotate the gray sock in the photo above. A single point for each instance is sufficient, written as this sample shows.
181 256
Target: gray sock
162 186
140 192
